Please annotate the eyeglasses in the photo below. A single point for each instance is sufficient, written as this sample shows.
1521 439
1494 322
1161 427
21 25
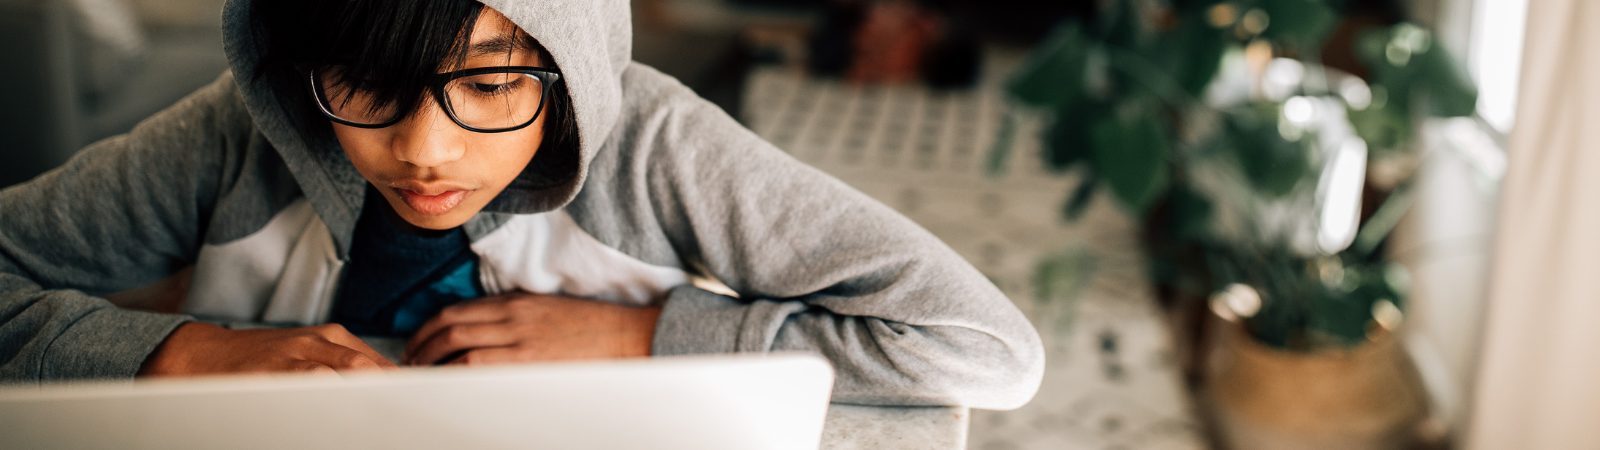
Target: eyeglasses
484 100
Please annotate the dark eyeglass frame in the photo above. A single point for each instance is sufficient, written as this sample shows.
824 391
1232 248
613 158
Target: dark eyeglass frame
547 78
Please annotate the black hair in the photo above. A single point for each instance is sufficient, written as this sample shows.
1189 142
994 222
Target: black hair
394 47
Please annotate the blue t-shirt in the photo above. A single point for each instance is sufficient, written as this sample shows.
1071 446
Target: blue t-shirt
399 276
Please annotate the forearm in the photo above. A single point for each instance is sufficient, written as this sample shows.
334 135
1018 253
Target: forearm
122 213
63 335
818 266
877 361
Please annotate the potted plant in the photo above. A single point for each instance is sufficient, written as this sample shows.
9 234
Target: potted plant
1267 180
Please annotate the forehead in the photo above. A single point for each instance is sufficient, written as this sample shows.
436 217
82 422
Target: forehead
491 25
494 34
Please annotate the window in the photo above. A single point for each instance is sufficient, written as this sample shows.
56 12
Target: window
1494 58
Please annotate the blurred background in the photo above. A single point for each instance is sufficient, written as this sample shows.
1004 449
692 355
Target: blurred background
1237 223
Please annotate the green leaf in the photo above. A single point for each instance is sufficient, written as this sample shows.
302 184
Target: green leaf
1408 65
1194 52
1054 74
1194 8
1341 318
1450 91
1131 156
1078 202
1066 140
1004 141
1063 275
1299 24
1192 213
1271 164
1369 46
1384 127
1123 24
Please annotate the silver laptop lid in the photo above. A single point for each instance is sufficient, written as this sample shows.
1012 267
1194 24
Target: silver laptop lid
733 402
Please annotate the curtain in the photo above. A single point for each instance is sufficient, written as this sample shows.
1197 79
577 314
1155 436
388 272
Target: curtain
1538 379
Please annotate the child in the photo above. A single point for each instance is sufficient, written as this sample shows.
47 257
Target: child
497 182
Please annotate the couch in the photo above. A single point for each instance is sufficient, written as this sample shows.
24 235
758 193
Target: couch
77 71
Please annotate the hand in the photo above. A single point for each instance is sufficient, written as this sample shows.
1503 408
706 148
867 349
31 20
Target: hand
531 327
199 348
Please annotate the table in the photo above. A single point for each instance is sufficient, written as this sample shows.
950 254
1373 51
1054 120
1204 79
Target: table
1111 378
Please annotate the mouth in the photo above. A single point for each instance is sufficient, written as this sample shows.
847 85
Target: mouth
431 199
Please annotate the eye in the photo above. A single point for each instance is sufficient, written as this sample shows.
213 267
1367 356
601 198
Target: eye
488 88
496 88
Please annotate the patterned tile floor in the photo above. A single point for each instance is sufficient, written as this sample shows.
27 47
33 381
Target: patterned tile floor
1111 380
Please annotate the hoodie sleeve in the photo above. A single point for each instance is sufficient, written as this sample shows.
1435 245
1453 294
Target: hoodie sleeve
820 267
122 213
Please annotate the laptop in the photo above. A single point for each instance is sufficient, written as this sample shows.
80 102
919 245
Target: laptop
773 401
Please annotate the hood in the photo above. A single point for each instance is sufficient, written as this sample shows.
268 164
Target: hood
589 40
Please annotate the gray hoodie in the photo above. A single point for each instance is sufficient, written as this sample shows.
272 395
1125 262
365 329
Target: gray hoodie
669 190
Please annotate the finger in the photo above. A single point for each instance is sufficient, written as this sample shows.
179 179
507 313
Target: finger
343 359
339 335
480 311
311 367
483 356
459 338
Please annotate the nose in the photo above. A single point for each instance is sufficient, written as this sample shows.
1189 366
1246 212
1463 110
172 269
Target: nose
428 138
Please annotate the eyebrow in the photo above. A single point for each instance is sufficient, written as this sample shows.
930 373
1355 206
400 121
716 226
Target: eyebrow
501 43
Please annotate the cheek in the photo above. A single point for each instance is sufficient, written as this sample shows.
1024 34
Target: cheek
365 149
503 156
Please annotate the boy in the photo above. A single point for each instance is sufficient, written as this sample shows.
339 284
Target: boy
496 182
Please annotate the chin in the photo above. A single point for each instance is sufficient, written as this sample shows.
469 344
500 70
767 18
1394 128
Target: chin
434 222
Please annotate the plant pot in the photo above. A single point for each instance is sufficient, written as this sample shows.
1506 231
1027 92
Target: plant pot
1364 397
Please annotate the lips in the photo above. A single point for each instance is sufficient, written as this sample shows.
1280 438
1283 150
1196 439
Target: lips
432 205
430 199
